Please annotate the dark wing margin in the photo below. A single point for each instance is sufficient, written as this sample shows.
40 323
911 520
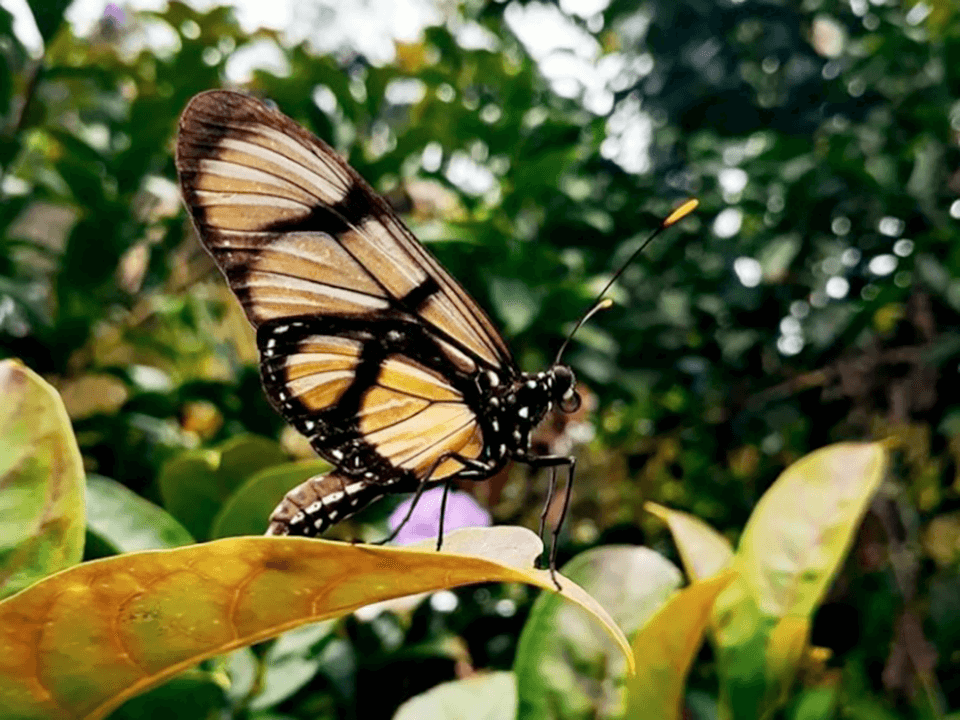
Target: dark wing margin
298 232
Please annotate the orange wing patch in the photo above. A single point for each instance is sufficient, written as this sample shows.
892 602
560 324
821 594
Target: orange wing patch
466 442
399 372
382 407
413 417
321 370
383 257
418 442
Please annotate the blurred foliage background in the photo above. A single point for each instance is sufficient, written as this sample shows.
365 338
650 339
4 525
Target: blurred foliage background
814 296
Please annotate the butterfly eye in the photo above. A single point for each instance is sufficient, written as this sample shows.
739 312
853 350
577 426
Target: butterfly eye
570 402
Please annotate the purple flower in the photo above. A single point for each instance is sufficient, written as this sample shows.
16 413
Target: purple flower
424 524
114 14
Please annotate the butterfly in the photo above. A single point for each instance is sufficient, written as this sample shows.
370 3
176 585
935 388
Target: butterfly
368 346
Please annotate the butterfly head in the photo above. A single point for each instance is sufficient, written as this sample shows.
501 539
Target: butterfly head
535 394
564 390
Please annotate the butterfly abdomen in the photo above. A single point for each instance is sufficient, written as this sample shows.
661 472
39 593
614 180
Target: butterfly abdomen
321 501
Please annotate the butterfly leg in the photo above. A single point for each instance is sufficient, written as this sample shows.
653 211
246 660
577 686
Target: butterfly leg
555 461
416 498
546 507
443 514
563 516
473 465
468 462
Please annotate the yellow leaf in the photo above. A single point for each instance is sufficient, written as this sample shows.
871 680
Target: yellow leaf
665 647
703 550
147 616
786 646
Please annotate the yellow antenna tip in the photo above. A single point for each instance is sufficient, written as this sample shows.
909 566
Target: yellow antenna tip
605 303
681 212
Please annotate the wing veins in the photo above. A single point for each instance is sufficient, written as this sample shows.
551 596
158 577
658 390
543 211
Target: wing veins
438 273
426 407
246 129
275 133
324 284
440 440
292 160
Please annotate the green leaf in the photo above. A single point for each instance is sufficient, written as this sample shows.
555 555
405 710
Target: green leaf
41 481
740 640
191 695
195 485
802 528
818 703
515 303
291 662
564 666
247 511
128 522
793 544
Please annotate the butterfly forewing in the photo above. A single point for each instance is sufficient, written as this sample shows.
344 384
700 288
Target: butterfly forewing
297 231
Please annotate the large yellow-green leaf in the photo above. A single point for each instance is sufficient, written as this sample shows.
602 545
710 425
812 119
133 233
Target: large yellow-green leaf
802 528
665 647
565 667
41 481
147 616
703 550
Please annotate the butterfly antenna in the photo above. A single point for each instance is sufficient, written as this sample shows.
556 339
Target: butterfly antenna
602 303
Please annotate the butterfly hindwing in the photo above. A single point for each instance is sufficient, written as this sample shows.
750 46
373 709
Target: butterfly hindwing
376 397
